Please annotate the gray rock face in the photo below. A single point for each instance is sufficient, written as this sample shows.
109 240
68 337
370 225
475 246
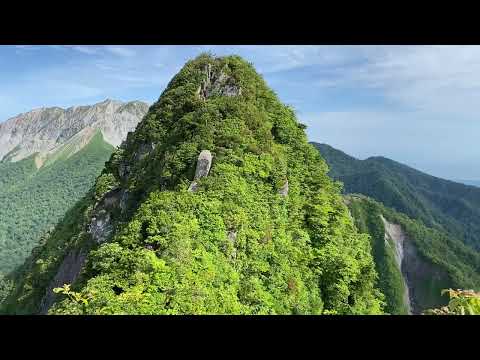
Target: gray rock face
204 162
232 237
45 129
193 186
67 273
124 199
284 189
123 170
101 226
416 270
395 232
144 150
217 84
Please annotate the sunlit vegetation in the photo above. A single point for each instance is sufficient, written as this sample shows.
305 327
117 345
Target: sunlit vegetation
235 246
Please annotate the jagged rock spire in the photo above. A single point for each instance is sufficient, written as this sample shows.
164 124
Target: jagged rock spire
204 162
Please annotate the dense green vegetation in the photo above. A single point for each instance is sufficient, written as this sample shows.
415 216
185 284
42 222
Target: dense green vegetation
32 201
235 246
444 254
390 280
462 302
438 203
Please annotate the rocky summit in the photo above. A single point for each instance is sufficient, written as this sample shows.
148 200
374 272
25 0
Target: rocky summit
49 158
46 129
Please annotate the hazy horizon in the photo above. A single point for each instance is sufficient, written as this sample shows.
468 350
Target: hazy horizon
413 104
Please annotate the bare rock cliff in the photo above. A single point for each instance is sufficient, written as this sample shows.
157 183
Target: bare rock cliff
42 130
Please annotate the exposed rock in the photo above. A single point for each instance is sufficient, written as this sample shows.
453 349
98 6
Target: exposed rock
67 273
395 232
204 162
143 151
193 186
232 236
123 171
101 226
284 189
46 129
416 270
217 84
124 199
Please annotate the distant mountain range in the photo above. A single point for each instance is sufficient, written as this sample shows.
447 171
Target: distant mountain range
44 131
50 157
418 255
438 203
216 204
414 262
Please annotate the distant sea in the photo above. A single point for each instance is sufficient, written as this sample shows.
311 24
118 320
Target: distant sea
470 182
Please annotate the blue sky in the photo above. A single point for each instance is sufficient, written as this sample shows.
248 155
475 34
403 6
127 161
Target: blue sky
413 104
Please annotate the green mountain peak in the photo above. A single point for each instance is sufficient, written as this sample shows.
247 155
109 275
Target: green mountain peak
262 230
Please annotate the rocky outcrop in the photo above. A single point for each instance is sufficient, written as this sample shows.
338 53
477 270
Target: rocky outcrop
232 237
395 232
417 271
45 129
283 191
123 171
67 273
143 151
101 225
204 162
217 83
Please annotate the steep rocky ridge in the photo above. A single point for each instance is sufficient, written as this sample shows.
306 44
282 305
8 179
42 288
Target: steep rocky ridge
51 158
442 204
46 129
264 230
414 262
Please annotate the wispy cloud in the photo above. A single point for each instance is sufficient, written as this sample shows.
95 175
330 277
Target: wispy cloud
430 142
398 101
27 47
90 50
121 51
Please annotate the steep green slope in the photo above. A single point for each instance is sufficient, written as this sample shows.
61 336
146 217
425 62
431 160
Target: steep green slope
432 260
266 232
32 201
439 203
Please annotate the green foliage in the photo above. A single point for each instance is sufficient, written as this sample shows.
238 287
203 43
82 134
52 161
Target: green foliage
104 184
442 204
6 286
456 264
390 281
462 302
72 295
32 278
32 201
235 246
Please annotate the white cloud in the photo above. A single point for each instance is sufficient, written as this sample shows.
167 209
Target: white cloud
121 51
27 47
431 143
84 49
420 99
